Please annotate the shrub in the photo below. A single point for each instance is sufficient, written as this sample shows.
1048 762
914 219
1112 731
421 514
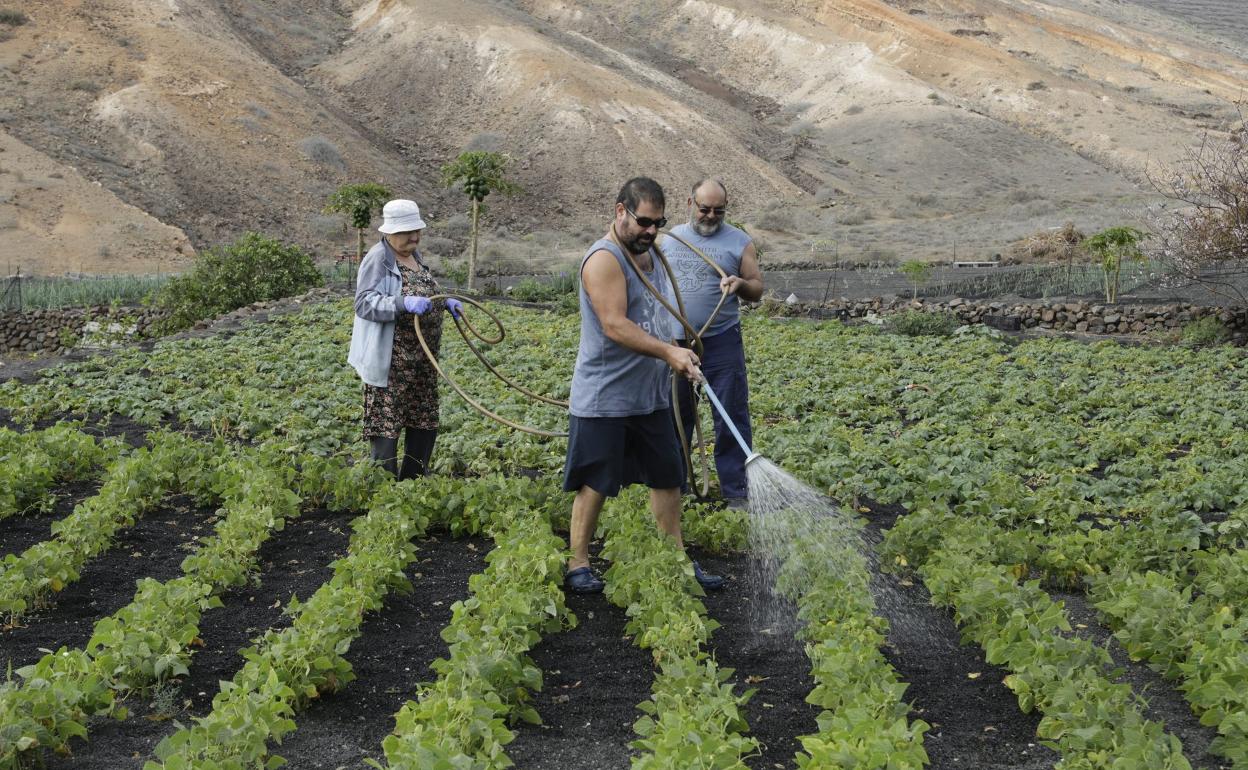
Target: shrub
458 226
322 151
485 142
82 84
1208 330
1049 245
532 290
251 269
434 245
775 216
12 18
916 323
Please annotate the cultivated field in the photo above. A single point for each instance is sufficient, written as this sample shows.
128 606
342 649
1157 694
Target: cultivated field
1053 537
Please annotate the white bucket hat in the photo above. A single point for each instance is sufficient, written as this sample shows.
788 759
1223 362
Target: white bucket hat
400 216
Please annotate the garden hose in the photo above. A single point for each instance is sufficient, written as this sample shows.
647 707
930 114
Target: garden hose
694 337
465 326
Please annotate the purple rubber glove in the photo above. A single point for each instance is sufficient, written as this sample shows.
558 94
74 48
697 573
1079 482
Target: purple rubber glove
417 305
455 306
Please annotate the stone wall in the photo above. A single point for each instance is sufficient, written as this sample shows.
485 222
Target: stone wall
1079 316
56 331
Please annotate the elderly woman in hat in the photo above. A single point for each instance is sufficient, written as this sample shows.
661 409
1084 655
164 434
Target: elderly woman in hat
400 384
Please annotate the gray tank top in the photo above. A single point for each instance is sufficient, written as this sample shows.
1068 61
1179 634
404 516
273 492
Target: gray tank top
610 380
699 283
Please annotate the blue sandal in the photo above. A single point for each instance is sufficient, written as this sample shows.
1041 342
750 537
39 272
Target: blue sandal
707 581
582 580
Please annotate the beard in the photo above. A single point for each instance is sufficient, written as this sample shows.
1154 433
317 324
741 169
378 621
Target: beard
640 243
704 229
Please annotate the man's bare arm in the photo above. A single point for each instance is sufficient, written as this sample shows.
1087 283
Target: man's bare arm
749 285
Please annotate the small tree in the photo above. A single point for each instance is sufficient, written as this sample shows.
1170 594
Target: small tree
480 174
1112 246
918 272
1202 231
360 202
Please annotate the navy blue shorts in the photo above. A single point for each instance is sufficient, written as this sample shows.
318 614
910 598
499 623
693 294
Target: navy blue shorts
609 453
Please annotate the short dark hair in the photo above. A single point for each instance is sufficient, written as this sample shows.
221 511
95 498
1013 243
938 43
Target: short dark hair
639 189
709 180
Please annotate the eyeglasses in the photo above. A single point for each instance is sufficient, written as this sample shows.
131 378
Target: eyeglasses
645 223
704 210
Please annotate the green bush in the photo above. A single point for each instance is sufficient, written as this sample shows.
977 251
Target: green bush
1205 331
915 323
12 18
532 290
251 269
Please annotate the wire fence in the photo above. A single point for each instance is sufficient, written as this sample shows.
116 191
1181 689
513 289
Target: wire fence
11 298
1043 281
25 292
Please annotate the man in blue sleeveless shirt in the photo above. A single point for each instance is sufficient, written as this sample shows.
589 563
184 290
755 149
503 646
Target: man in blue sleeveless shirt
621 430
723 355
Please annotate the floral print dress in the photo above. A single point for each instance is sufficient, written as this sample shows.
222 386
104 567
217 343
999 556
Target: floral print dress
410 400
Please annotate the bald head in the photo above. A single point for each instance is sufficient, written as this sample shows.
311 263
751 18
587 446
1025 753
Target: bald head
711 186
707 203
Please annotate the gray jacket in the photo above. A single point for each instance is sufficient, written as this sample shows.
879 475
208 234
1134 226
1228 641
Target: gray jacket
377 306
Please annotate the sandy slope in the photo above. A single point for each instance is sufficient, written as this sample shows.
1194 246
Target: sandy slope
938 128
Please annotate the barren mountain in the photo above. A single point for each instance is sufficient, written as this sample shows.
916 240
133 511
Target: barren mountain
908 128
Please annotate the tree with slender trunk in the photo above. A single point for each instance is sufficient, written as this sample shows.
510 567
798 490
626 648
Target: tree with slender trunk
361 202
1112 246
480 173
918 272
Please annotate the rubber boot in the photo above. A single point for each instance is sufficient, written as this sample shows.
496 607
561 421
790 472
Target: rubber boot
418 453
385 451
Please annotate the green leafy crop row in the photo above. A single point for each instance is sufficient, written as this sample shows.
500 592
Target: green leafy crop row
461 720
31 463
1092 721
134 484
693 718
865 724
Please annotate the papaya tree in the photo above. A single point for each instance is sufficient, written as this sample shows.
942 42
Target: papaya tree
1111 247
360 202
479 173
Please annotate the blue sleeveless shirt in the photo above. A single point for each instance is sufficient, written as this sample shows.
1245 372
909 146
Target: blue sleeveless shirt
698 282
609 379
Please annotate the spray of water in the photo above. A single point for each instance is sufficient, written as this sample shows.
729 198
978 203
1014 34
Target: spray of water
797 536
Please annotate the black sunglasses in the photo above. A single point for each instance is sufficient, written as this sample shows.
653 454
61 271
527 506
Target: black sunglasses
645 223
704 210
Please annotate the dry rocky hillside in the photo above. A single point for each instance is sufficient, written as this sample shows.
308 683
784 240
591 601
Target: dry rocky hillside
133 132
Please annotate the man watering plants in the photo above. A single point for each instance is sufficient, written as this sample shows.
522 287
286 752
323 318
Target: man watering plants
621 427
723 354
